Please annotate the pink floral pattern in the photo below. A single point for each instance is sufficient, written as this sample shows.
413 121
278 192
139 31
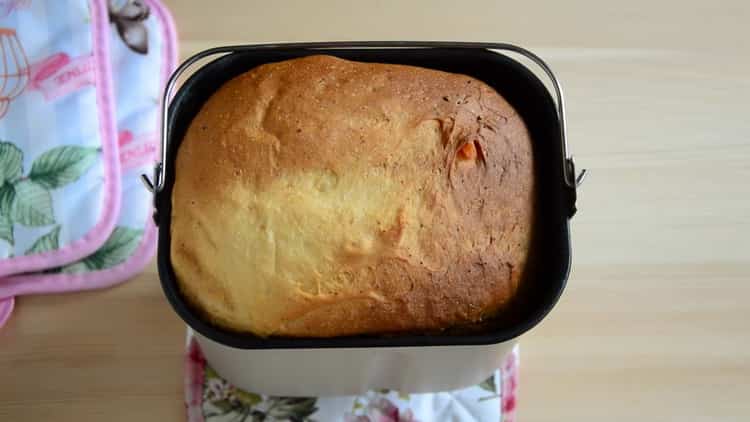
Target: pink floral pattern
194 366
381 410
509 387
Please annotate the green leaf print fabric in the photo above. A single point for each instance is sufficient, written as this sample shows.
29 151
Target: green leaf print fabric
59 168
26 200
75 140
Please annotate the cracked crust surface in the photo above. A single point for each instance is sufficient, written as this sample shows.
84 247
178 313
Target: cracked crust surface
321 197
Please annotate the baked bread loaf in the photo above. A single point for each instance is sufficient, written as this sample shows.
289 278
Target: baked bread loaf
321 197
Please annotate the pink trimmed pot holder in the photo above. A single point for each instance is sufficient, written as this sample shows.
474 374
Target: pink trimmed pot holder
209 398
59 173
138 40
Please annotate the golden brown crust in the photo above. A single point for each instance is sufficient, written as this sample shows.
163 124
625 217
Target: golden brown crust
322 197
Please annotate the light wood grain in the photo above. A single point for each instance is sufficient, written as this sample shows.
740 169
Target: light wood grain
654 324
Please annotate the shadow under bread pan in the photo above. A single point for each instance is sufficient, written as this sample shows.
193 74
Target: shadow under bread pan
411 363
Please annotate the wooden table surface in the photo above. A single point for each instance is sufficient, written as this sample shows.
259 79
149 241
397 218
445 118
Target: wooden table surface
655 322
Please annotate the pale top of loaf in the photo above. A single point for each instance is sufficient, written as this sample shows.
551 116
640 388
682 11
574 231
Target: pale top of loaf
321 197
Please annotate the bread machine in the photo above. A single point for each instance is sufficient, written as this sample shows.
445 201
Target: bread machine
412 363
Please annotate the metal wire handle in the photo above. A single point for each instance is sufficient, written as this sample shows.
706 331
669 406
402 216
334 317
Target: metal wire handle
156 185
